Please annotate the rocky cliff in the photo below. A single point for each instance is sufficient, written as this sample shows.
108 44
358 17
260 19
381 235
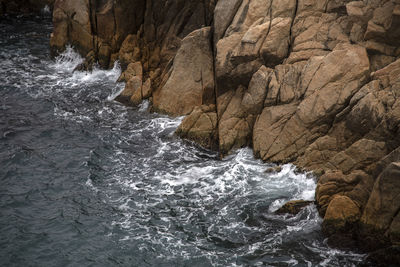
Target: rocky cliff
316 83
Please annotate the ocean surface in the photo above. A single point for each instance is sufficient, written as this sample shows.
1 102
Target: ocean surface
86 181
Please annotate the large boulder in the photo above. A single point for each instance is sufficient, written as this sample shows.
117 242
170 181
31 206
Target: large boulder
293 207
200 126
381 219
342 214
191 82
357 186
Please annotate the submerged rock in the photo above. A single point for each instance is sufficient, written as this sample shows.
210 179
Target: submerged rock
274 169
341 215
293 207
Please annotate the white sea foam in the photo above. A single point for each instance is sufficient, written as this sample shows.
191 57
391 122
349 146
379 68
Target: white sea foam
116 91
295 185
238 176
89 183
174 184
97 74
68 60
144 106
46 10
66 63
330 255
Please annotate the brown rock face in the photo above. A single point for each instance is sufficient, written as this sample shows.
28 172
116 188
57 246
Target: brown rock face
325 89
342 212
293 207
242 107
357 186
191 82
200 126
341 220
316 83
135 89
95 26
145 31
381 214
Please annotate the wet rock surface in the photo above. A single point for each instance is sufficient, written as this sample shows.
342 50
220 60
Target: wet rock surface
316 83
293 207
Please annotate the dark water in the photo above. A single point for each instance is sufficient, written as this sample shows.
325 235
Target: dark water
85 181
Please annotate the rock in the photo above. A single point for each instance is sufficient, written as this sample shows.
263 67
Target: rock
282 88
129 51
146 89
135 90
380 61
71 20
385 161
238 118
384 25
316 34
125 29
342 213
131 95
326 90
380 219
224 12
200 126
258 35
269 125
191 82
340 222
356 185
362 153
133 69
274 169
293 207
99 26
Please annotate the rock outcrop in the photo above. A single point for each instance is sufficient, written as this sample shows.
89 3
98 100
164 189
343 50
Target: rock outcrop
146 32
201 127
293 207
191 82
316 83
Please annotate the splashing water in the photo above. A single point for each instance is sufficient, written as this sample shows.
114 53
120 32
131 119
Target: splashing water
87 181
46 10
67 61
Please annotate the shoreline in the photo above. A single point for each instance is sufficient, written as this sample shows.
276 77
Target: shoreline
317 86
